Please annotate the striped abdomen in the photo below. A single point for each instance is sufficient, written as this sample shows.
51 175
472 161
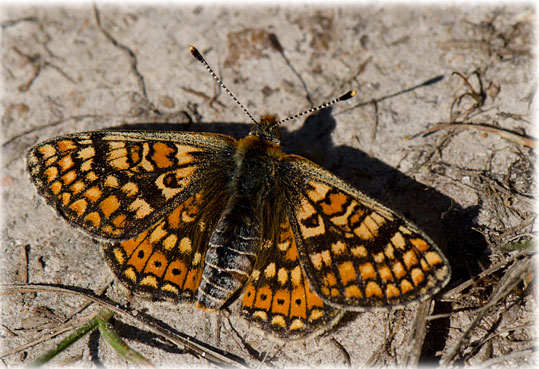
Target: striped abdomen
231 254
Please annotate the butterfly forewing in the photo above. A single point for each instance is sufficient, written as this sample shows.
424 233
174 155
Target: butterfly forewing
116 184
357 253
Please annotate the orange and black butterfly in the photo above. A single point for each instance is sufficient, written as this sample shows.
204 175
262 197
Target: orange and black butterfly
201 217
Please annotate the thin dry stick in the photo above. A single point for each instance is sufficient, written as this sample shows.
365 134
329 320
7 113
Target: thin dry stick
526 353
524 224
71 325
455 291
419 330
508 135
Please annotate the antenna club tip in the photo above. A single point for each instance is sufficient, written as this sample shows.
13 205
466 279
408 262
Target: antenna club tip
348 95
194 51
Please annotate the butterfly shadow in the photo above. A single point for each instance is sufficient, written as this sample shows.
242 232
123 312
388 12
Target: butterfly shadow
449 225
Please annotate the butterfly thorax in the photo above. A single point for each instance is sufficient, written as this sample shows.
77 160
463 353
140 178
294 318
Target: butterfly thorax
237 238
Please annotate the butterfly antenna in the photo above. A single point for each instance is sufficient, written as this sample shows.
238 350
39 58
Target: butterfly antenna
346 96
198 56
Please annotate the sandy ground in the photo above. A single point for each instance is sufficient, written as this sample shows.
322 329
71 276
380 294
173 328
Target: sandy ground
73 69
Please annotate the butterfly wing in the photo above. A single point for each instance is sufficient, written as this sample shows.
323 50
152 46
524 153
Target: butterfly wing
116 184
157 196
278 298
357 253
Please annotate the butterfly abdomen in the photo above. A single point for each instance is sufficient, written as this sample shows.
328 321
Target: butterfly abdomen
231 254
236 240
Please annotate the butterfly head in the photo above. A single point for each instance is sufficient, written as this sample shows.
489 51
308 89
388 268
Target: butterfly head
267 129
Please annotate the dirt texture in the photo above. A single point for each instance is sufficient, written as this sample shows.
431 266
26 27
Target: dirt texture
469 184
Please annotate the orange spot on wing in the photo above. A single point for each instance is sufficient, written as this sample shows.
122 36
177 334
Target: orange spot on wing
330 280
66 178
79 206
281 302
263 298
119 254
51 173
119 221
356 217
338 247
333 204
111 181
417 276
170 241
93 194
109 205
373 289
318 192
249 296
93 218
157 264
352 291
161 153
292 252
77 187
385 273
398 270
298 307
378 258
140 256
406 286
56 187
65 145
392 291
359 251
363 232
134 153
66 196
409 258
47 151
367 271
176 272
399 241
130 188
174 218
433 258
65 163
347 272
420 244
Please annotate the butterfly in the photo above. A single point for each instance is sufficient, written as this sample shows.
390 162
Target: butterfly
204 218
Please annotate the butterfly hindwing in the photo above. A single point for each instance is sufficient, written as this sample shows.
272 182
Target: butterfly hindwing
357 253
278 297
166 261
116 184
